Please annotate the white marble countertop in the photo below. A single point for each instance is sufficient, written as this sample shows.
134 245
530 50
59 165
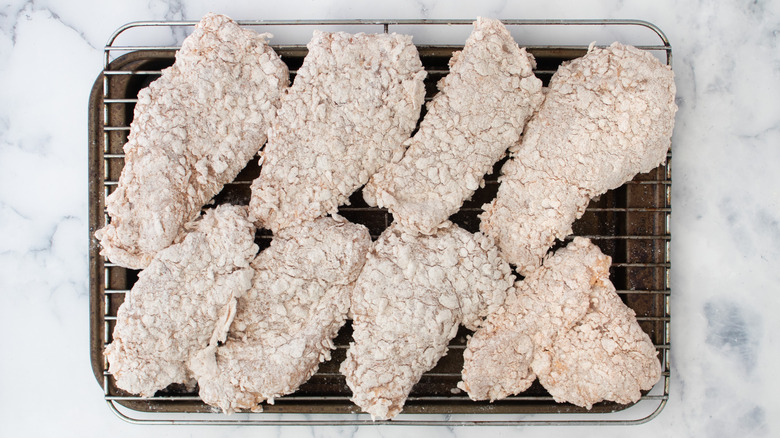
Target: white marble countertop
726 215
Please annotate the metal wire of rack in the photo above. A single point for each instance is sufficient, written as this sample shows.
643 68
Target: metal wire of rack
631 224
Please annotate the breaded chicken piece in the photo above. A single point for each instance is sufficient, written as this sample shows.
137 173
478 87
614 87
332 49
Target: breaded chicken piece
607 116
285 324
354 100
193 130
184 300
567 325
479 112
407 304
606 356
497 360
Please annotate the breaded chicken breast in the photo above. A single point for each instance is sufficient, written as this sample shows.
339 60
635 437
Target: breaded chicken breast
408 302
354 100
193 130
183 301
479 112
566 325
285 323
606 117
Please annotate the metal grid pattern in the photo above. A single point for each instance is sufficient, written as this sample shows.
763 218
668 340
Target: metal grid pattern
631 224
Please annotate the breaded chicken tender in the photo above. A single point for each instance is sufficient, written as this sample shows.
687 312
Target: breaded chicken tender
285 323
183 301
565 324
606 117
354 100
407 304
193 130
479 112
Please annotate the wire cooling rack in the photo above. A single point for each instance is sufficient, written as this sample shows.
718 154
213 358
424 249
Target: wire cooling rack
630 224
